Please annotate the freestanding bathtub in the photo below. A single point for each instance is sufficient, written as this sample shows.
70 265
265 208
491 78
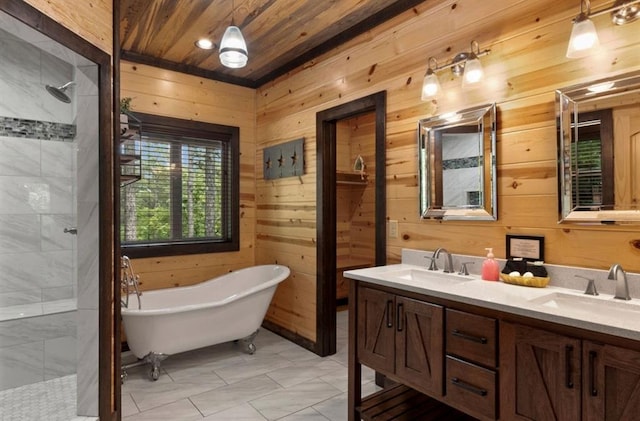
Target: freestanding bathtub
227 308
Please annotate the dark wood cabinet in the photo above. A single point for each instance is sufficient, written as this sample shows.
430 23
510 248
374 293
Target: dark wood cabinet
488 364
611 383
541 374
401 338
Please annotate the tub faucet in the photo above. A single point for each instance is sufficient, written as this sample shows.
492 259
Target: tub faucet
622 287
448 262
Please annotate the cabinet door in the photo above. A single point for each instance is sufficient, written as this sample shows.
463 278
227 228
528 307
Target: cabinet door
419 345
611 383
376 329
540 374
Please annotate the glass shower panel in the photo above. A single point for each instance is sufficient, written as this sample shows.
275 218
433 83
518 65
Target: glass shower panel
48 126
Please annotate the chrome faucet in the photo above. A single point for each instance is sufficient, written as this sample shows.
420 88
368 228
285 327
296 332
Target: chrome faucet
622 287
448 262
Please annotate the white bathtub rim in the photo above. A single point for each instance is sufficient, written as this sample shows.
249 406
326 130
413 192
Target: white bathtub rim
133 311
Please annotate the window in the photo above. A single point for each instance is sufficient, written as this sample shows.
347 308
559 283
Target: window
187 199
592 176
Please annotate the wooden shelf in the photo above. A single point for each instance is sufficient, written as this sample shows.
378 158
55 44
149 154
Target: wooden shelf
354 178
401 403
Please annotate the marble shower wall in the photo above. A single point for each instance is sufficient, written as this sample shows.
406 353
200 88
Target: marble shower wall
37 175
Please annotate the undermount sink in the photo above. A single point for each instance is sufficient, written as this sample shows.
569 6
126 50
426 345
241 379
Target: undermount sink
585 305
424 275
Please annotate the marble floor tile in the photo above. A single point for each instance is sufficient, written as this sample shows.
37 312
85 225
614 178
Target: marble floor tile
256 365
305 371
233 395
244 412
308 414
284 402
182 410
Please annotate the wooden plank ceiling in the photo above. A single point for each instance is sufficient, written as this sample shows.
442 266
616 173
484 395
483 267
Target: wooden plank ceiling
280 34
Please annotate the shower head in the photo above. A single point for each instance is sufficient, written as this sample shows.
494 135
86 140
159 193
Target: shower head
58 92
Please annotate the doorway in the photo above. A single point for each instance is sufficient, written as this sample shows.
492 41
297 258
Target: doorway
326 135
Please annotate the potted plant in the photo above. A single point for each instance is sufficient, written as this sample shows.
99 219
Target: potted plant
125 107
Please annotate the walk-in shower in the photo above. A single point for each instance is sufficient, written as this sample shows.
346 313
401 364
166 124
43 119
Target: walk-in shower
59 92
48 234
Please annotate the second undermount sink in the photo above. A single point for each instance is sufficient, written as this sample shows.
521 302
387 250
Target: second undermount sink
585 306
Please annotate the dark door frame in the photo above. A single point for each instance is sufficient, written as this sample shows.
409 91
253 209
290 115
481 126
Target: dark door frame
109 263
326 208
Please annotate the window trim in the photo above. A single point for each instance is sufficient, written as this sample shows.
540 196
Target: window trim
197 129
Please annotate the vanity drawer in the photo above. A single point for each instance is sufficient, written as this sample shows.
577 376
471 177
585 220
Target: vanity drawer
471 388
472 337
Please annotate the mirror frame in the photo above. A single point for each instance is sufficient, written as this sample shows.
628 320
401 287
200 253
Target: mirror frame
485 118
567 107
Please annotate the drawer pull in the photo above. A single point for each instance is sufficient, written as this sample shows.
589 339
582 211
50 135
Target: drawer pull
400 317
466 386
463 335
592 373
567 368
389 315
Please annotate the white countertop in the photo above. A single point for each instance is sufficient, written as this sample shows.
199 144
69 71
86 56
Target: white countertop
566 306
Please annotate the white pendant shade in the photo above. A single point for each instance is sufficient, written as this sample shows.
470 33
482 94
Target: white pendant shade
233 49
473 72
583 38
430 86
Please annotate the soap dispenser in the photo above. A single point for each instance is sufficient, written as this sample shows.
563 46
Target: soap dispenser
490 267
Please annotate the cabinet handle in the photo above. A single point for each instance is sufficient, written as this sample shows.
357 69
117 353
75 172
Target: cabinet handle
568 349
389 313
592 373
399 316
466 386
463 335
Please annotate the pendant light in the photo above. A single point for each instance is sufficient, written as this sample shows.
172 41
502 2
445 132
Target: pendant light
233 49
430 84
473 72
583 33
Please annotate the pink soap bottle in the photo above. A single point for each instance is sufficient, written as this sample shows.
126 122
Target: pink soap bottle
490 267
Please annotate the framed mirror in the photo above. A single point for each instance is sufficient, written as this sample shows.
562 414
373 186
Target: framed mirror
457 164
598 125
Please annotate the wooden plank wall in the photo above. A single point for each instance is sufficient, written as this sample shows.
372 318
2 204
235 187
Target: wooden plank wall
92 20
363 234
166 93
527 63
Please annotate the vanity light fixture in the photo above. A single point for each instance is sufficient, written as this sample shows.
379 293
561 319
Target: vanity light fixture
233 49
584 36
465 64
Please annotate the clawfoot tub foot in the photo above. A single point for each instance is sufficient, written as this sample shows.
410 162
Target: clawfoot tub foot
154 360
249 346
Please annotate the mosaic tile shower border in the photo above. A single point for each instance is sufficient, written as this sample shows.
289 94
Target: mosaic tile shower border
35 129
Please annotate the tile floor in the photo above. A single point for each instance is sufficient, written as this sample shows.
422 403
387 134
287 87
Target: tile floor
281 381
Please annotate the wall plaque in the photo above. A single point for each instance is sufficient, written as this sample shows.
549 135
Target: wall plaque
284 160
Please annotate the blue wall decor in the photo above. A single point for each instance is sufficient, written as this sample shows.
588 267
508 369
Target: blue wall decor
284 160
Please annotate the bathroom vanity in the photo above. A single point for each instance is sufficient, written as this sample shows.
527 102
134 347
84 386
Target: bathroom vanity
488 349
